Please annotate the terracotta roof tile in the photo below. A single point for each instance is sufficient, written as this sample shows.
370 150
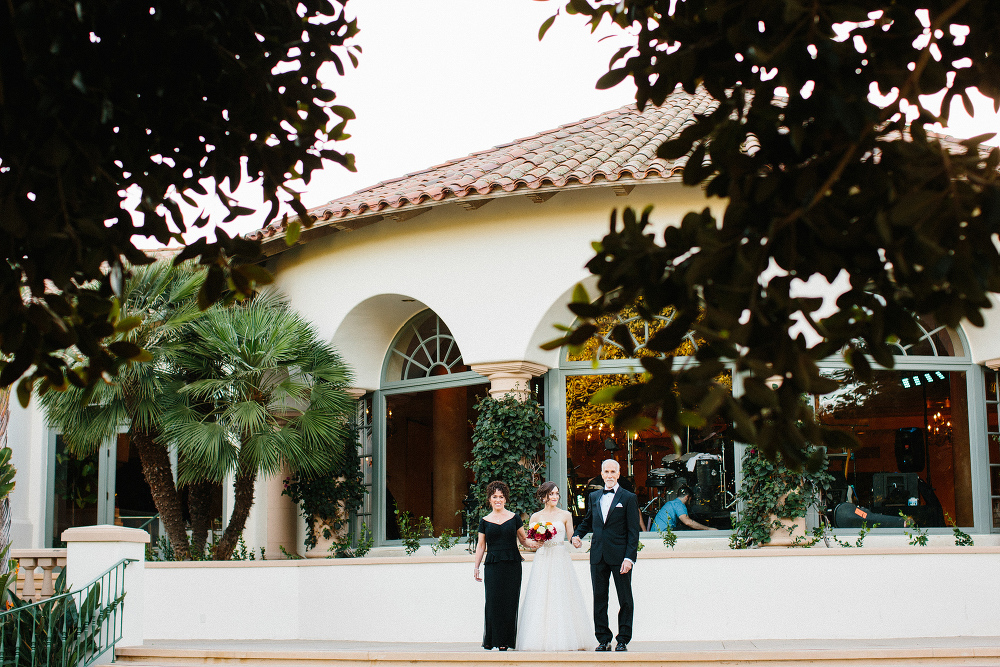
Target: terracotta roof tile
617 144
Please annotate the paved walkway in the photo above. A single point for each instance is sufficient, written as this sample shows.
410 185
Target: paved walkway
939 651
635 646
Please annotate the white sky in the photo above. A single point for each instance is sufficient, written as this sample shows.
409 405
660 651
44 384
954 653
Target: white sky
439 79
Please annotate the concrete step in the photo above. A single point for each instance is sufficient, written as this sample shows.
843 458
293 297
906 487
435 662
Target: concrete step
952 651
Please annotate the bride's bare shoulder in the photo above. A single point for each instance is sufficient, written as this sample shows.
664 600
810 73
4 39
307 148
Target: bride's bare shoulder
534 517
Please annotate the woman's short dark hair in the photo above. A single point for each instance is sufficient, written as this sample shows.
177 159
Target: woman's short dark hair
495 486
544 490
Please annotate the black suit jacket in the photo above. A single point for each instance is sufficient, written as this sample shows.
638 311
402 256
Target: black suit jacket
617 538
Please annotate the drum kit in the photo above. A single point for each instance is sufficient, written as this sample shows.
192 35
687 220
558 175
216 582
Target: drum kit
665 482
704 473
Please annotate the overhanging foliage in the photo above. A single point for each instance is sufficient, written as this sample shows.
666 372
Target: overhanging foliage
817 180
100 96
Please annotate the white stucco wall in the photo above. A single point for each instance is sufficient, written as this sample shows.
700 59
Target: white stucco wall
715 595
499 276
28 438
984 343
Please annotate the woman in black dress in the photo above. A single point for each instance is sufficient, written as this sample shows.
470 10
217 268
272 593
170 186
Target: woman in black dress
499 533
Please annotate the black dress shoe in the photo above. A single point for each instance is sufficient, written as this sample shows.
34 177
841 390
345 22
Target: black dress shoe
604 646
622 646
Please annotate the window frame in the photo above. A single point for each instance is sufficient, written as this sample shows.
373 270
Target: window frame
975 393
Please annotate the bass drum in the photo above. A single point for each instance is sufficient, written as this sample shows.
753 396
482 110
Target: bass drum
659 478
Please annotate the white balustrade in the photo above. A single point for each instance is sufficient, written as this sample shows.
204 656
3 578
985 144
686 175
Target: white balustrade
29 560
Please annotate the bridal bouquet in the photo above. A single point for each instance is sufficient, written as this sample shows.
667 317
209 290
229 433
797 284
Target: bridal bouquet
542 531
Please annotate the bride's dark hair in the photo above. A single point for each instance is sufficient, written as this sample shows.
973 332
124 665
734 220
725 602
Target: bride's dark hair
544 490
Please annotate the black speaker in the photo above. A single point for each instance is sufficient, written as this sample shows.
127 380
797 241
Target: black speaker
910 449
708 476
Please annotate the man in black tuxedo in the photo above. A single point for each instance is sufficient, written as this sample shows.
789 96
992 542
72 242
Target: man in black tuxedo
613 517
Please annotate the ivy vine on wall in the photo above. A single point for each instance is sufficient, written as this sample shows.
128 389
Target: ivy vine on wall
332 497
770 490
510 443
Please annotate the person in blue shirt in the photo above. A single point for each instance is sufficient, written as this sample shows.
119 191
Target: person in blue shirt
675 512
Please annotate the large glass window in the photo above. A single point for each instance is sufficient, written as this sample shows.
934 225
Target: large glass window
655 465
916 454
429 397
993 439
108 486
914 457
76 491
428 439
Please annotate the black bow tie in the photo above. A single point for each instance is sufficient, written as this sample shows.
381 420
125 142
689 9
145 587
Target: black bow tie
608 491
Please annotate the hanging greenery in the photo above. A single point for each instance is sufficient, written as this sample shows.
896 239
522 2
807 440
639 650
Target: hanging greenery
332 497
771 491
7 574
510 444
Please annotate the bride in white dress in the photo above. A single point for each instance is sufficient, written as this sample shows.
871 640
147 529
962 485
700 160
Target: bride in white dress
554 616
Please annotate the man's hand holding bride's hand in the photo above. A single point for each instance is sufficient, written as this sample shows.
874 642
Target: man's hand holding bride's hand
576 541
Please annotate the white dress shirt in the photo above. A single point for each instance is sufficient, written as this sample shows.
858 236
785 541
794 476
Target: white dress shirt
606 499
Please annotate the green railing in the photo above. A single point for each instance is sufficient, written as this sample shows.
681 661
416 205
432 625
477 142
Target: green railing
70 629
147 522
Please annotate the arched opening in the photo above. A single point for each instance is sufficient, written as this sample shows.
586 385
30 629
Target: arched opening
429 395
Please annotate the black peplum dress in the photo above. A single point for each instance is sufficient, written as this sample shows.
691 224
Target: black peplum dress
502 580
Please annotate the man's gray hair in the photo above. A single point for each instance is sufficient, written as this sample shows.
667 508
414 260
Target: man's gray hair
607 461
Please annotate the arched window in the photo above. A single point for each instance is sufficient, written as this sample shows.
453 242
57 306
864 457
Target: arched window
427 403
641 331
425 348
937 341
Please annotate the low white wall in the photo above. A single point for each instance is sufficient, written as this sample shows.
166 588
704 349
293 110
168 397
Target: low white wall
707 595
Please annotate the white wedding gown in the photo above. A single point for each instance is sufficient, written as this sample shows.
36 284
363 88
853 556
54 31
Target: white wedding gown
554 616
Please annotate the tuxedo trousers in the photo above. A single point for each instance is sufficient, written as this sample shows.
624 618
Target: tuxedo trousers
600 574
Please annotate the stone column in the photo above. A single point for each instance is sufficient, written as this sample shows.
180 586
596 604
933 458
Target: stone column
91 551
356 392
282 517
510 377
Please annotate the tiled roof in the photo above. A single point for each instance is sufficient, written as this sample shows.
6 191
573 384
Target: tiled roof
613 147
